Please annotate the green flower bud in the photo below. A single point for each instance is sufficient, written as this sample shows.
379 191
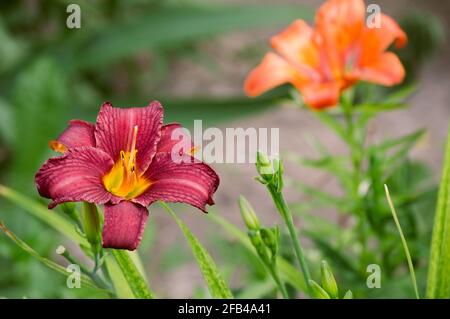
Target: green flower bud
348 295
248 214
278 166
270 238
328 281
264 166
317 291
257 242
91 225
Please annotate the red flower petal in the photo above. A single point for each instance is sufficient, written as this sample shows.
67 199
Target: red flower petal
167 141
124 225
78 133
75 176
114 131
188 182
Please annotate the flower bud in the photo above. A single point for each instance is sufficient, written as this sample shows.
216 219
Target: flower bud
91 225
317 291
328 281
248 214
270 238
264 166
278 166
257 242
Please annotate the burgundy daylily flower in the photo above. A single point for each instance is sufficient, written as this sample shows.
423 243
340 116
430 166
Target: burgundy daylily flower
124 162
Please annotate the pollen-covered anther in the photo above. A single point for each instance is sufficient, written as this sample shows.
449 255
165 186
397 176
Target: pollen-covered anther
57 146
123 180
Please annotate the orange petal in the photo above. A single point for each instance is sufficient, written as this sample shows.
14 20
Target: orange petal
386 70
321 95
376 40
272 72
340 24
296 45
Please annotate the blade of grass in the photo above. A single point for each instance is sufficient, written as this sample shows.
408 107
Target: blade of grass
132 275
405 245
439 269
216 284
121 286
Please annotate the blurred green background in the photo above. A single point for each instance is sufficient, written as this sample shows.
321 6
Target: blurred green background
131 52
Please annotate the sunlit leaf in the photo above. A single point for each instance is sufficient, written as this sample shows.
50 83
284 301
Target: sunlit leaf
216 284
131 273
121 286
439 267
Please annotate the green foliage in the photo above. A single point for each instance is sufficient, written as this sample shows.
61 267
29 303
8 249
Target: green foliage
404 243
216 284
85 281
361 176
135 281
55 221
288 273
439 267
124 52
118 280
162 29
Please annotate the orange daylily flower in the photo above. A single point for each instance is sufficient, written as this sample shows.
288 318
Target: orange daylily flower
323 61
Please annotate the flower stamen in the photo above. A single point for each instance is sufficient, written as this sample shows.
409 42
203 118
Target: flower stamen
123 180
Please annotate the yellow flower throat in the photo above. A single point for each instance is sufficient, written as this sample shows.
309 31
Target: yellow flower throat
123 179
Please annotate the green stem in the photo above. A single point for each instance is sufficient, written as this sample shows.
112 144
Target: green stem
405 245
276 277
285 212
93 275
356 147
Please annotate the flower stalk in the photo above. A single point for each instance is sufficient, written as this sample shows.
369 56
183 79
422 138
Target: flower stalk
265 241
271 175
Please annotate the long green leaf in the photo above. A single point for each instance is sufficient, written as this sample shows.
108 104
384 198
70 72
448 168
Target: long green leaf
216 284
288 272
120 283
439 268
404 243
51 218
131 273
85 280
380 107
405 141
